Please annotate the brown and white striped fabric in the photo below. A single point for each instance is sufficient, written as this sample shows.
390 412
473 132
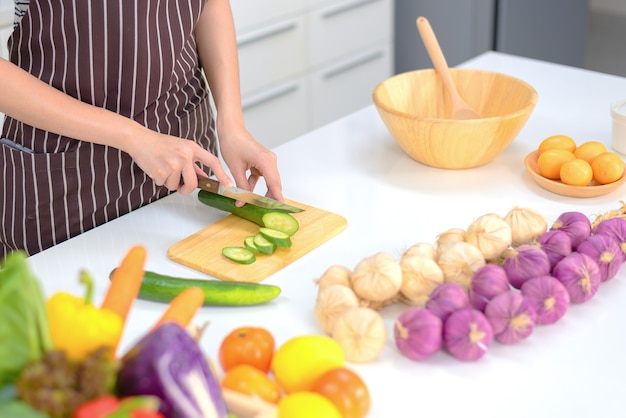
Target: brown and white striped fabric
135 57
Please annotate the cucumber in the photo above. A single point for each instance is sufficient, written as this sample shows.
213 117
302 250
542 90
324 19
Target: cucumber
248 242
281 222
250 212
280 238
161 288
263 244
239 255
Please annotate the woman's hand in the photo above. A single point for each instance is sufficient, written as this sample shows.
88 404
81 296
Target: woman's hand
172 161
248 160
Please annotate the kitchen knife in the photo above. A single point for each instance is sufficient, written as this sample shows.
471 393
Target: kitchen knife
214 186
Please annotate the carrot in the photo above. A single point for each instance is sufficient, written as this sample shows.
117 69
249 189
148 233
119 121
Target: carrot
183 307
125 282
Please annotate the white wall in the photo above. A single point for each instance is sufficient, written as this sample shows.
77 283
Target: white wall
608 6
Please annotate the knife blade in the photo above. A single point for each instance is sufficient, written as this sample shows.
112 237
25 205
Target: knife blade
214 186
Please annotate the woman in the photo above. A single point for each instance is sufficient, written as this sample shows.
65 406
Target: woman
108 110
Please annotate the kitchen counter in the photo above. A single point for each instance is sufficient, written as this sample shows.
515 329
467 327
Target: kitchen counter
353 167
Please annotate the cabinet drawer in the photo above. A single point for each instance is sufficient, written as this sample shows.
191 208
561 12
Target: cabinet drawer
346 26
277 114
271 54
347 86
254 13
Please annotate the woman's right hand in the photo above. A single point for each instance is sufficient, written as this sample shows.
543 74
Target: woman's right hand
172 162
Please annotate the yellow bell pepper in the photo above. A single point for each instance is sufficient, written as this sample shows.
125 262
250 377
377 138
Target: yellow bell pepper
78 327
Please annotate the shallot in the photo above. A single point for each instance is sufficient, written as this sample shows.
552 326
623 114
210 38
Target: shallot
580 275
361 334
613 227
377 278
459 263
417 333
549 298
525 262
491 234
488 282
606 252
447 298
420 276
526 225
467 334
512 317
575 224
556 244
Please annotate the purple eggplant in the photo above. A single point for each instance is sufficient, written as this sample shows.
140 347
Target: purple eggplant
169 364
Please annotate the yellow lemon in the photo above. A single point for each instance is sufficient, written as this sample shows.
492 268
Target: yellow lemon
557 142
299 361
589 150
306 405
576 172
550 162
607 167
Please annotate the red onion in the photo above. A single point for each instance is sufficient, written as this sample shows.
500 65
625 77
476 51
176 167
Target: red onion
606 252
525 262
580 275
417 333
511 316
613 227
549 298
575 224
556 244
467 334
488 281
447 298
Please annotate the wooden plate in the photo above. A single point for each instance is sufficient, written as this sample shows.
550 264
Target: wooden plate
557 187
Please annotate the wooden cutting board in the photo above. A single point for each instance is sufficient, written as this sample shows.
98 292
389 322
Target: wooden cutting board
202 251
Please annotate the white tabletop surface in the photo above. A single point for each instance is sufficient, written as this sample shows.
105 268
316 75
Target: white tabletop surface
353 167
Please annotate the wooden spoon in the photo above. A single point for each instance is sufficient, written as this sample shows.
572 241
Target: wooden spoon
460 109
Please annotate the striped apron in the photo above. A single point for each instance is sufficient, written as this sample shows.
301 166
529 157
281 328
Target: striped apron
137 58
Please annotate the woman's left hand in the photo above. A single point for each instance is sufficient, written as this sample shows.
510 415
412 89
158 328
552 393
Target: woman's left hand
248 160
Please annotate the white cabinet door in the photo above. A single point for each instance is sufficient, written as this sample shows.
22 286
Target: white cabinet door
278 113
271 54
347 86
5 32
347 26
253 13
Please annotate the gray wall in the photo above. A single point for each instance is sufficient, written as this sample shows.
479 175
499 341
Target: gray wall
551 30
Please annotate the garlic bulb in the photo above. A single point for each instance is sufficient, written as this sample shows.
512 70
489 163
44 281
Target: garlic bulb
423 249
448 238
377 278
331 301
420 276
361 333
491 234
526 225
459 263
335 275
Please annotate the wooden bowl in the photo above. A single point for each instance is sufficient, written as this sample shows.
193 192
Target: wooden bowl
555 186
416 110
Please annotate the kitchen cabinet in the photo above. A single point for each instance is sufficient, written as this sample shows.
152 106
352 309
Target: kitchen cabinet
304 63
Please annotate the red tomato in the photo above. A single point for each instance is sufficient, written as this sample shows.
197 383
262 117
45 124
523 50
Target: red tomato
249 380
247 345
346 390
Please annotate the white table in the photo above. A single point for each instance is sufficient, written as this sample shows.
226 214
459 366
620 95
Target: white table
354 168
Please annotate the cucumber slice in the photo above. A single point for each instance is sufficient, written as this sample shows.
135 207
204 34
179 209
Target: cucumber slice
280 238
263 244
239 255
248 242
281 222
